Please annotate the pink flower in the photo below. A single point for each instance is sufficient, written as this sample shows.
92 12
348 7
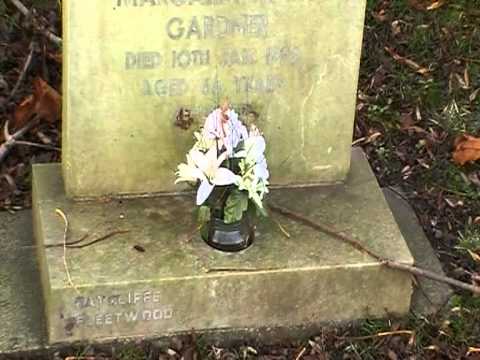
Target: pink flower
224 126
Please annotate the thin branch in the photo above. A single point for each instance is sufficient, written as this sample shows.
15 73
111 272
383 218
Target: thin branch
26 65
41 146
300 354
431 275
379 335
323 228
386 262
281 228
45 32
191 234
72 244
102 238
11 140
477 61
236 270
60 213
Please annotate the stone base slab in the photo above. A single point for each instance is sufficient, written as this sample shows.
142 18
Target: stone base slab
158 279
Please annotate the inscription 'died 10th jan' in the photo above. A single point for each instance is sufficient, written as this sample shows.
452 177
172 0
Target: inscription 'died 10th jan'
182 29
130 307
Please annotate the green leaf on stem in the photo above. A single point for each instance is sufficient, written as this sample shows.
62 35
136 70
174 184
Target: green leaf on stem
236 205
203 214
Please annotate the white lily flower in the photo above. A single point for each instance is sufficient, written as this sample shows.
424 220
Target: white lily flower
253 153
188 172
207 169
202 143
261 169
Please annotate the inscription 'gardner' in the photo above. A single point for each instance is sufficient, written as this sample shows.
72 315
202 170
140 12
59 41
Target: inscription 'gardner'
215 27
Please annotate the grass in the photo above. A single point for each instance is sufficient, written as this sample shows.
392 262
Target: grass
441 104
131 352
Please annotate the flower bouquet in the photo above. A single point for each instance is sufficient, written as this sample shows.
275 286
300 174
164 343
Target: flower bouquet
228 166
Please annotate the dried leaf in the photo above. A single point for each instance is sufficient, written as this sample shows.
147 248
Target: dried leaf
406 61
474 256
436 5
417 4
392 355
426 5
472 350
418 113
466 78
57 57
45 102
406 121
474 94
396 28
380 16
467 149
23 112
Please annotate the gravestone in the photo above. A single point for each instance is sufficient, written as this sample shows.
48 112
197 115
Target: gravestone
139 77
134 68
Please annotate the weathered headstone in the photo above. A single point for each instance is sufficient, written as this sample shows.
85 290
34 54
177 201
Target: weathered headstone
139 77
137 73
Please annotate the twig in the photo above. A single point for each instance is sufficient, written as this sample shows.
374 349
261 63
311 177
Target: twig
11 140
26 65
386 262
431 275
102 238
406 61
220 269
477 61
323 228
191 234
41 146
60 213
281 228
379 335
300 354
72 245
45 32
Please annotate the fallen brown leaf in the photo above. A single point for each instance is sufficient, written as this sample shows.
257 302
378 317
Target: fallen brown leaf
44 102
467 149
474 256
406 121
406 61
392 355
436 4
426 5
474 94
57 57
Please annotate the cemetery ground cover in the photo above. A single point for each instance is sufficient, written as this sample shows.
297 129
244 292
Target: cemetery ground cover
419 91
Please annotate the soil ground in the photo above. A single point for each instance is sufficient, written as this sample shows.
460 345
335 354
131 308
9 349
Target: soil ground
419 90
